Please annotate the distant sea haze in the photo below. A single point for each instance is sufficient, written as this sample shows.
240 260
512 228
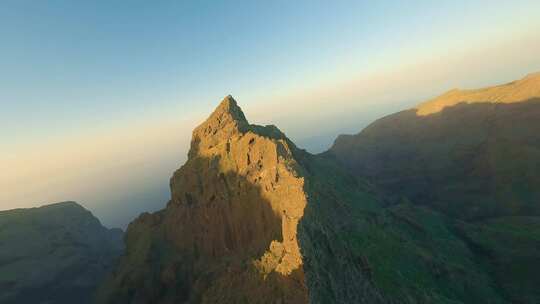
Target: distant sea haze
104 114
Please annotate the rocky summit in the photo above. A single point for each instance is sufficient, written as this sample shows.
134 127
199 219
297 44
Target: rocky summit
229 231
254 219
55 254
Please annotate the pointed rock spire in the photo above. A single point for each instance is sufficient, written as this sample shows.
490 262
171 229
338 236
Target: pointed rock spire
228 114
226 121
229 107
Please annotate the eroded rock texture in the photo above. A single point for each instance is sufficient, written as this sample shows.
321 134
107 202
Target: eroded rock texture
229 232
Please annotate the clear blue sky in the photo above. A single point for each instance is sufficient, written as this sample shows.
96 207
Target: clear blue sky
69 68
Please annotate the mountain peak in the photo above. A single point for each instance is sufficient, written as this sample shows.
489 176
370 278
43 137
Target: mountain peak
228 107
226 121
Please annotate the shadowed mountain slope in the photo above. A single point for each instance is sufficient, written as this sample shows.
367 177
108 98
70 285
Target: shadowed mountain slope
254 219
473 159
54 254
473 155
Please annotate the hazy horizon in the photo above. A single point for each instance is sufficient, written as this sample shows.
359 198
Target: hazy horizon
99 108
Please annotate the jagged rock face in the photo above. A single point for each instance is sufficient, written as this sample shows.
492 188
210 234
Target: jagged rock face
254 219
246 179
231 224
54 254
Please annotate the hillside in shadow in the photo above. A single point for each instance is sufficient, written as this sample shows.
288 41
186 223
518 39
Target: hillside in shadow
478 163
57 253
373 253
470 161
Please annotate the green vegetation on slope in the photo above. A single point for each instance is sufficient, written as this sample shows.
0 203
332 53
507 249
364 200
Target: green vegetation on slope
512 247
410 254
473 156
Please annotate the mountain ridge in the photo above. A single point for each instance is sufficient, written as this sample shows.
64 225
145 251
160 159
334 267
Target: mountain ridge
473 156
58 253
516 91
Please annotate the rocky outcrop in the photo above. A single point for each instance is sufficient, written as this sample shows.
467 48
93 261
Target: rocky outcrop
254 219
54 254
230 231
